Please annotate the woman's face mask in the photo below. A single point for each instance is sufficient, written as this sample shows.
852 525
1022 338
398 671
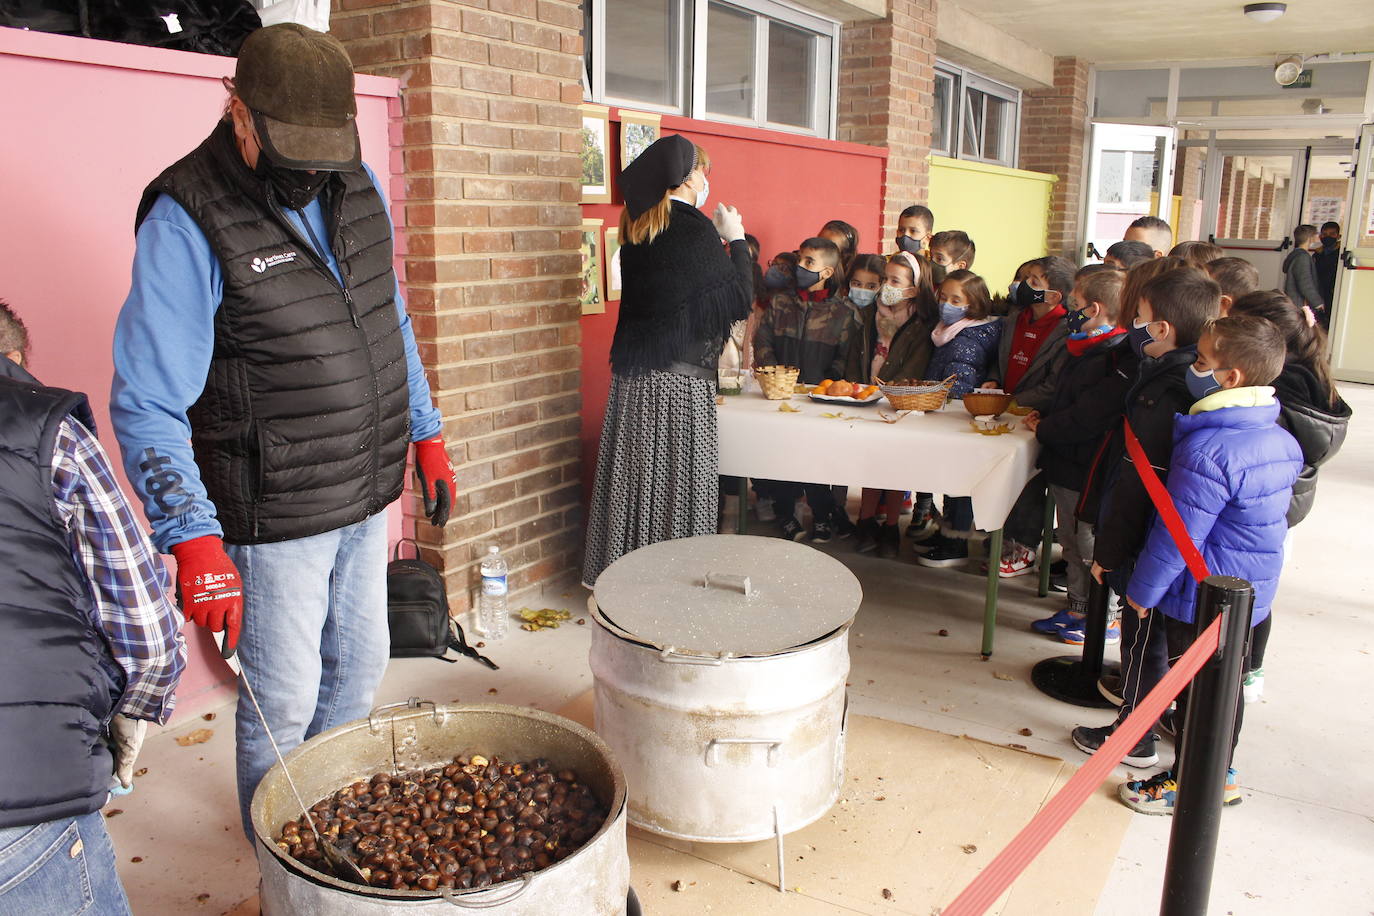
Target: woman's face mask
862 297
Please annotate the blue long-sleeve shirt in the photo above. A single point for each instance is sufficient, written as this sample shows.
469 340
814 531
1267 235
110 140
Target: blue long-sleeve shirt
163 343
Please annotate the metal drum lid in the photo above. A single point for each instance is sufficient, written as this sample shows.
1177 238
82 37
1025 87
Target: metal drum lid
726 596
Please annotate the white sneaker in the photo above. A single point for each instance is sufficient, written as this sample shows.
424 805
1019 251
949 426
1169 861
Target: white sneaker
1253 686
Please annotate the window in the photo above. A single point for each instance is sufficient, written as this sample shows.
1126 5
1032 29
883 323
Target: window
974 117
754 62
1126 176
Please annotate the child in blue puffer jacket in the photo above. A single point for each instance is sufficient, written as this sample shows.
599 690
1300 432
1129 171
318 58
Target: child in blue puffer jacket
965 341
1231 477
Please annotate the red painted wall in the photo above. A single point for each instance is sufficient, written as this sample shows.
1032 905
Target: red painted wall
786 187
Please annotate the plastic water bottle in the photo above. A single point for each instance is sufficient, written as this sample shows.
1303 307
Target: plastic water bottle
491 605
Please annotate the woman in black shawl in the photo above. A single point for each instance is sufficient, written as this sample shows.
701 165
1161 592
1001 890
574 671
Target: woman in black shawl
656 470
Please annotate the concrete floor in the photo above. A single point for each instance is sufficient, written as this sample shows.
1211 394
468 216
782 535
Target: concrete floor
1302 842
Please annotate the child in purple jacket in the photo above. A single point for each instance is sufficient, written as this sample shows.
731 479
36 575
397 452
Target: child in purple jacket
1231 477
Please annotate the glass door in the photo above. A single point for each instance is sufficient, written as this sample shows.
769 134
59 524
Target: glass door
1130 168
1254 201
1352 324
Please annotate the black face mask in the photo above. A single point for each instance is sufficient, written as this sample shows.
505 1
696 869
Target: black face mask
1027 295
1328 242
295 188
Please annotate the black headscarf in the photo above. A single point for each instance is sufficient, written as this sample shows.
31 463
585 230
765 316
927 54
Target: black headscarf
664 165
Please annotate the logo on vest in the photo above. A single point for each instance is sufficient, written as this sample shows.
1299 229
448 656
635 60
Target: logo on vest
272 260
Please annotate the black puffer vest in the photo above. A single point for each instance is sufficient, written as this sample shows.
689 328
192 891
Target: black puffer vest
304 421
58 681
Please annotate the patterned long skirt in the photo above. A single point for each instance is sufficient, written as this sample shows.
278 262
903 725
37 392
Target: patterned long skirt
656 471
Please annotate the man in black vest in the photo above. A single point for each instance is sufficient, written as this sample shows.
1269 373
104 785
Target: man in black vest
89 648
265 325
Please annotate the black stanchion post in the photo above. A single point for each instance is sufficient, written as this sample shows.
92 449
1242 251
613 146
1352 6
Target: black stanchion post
1071 679
1211 717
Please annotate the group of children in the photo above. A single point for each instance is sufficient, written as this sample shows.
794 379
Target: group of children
1225 387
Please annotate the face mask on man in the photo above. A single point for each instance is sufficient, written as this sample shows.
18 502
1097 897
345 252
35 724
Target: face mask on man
294 188
908 244
861 297
1328 242
1201 384
949 313
807 278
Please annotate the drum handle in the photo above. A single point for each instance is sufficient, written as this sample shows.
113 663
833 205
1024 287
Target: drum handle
458 899
375 726
673 657
739 583
712 757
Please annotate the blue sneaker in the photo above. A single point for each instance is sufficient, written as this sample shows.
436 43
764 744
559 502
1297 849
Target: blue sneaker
1053 626
1075 633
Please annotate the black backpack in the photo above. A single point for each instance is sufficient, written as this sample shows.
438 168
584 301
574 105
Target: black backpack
417 611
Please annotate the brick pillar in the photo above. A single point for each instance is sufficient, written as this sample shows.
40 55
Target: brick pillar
1188 186
1239 203
488 141
1252 206
1053 136
887 83
1266 209
1228 192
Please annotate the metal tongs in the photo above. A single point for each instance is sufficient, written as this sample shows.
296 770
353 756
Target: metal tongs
340 863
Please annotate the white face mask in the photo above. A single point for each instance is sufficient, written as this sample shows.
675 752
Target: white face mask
890 295
704 193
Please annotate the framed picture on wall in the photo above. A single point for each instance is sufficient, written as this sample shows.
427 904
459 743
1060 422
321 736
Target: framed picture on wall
593 296
596 163
638 131
612 252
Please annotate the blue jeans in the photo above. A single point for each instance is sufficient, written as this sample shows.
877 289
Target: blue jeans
60 868
315 641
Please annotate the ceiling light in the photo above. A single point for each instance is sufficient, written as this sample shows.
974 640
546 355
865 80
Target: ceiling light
1287 70
1265 12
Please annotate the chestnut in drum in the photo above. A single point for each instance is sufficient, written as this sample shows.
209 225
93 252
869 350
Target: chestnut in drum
468 824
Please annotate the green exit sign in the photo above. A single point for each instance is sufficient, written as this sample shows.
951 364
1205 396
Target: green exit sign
1304 81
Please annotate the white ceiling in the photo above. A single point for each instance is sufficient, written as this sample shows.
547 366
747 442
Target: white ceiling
1110 31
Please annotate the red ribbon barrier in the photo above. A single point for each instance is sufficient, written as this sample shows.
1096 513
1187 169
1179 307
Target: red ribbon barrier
994 880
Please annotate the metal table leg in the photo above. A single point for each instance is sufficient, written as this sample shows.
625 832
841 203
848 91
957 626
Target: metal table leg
990 605
1046 544
742 522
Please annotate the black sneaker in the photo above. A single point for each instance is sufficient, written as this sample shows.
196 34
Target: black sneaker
945 551
793 530
1109 685
889 542
866 540
1088 739
822 533
844 528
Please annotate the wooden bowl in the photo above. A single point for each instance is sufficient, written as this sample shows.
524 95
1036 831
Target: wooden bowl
986 404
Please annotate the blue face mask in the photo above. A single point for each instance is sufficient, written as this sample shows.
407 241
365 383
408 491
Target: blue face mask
908 244
952 313
863 298
1201 384
776 278
1140 337
806 278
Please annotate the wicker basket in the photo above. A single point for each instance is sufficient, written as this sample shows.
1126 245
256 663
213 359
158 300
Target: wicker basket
986 403
923 396
777 382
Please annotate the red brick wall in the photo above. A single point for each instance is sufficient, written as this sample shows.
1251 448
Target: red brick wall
1054 124
887 81
487 142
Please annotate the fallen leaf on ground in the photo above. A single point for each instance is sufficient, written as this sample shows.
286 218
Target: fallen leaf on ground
543 619
1025 732
785 407
1002 677
969 849
199 736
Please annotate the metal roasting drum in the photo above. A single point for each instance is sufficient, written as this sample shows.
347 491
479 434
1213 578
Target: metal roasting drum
719 666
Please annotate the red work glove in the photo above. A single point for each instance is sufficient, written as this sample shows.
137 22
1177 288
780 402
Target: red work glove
209 587
436 479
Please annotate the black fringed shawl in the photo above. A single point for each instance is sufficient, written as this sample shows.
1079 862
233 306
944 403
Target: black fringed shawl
679 295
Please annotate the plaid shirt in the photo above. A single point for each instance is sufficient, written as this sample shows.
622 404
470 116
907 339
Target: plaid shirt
128 581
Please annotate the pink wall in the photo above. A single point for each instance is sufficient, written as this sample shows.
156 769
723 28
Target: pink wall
87 124
785 186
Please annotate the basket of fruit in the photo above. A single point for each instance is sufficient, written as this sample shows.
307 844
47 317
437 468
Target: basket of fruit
777 382
916 395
